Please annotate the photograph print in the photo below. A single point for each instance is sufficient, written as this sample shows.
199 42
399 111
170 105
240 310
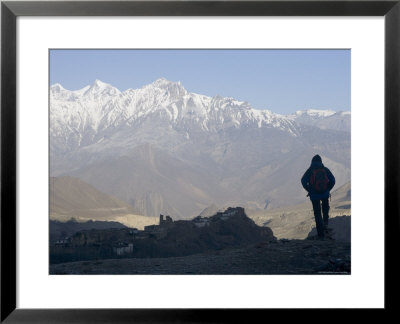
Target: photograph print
199 161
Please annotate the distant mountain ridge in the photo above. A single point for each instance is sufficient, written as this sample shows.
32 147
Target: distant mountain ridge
95 113
324 119
70 195
72 198
87 116
163 149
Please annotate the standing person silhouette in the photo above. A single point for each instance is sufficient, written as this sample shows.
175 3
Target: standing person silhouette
318 181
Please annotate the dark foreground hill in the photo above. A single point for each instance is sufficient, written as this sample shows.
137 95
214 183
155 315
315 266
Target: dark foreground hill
226 243
60 230
272 257
228 229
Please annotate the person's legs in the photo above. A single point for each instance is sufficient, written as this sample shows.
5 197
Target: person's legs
318 217
325 211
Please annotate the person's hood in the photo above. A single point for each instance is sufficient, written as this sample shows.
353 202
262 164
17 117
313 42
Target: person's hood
316 165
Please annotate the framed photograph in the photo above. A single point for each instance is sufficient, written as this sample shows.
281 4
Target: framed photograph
240 154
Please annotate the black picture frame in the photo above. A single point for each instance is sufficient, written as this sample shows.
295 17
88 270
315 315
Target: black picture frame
10 10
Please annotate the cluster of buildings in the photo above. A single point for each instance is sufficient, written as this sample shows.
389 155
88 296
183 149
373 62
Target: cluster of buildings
225 215
163 223
122 248
63 241
124 245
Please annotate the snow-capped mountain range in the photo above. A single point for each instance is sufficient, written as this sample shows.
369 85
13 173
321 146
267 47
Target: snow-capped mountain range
324 119
85 116
212 138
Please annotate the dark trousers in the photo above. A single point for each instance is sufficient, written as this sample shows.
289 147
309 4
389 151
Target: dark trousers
321 222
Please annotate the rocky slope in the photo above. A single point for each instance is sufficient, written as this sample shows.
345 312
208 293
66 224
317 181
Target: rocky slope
73 198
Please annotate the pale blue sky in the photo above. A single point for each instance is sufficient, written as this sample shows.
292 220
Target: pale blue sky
280 80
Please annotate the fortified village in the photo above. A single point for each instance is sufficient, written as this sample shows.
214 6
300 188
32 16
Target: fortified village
169 238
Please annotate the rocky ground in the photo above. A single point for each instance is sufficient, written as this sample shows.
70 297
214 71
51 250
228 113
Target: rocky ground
279 257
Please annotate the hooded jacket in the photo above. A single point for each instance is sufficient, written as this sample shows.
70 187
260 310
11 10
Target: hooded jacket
305 181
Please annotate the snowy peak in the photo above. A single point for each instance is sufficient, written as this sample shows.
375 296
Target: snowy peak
163 83
99 88
56 88
324 119
314 113
83 117
58 92
98 83
173 89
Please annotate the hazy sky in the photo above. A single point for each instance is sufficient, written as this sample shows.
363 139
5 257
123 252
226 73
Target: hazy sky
280 80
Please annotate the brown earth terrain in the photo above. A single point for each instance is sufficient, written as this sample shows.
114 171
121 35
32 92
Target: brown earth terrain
273 257
72 198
